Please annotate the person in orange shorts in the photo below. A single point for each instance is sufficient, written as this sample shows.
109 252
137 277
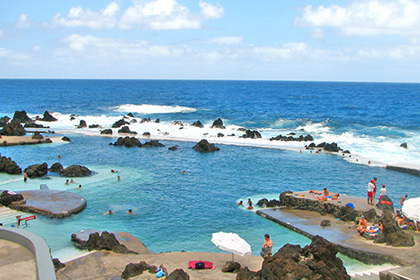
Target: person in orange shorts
361 228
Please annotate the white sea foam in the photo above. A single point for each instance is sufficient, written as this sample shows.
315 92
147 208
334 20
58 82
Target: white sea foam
152 109
378 150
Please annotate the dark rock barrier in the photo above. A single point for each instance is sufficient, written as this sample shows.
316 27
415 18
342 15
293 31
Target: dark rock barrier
315 261
13 128
301 138
75 171
37 170
8 197
100 241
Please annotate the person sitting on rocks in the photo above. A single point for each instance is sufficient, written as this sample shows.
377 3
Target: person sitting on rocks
376 230
361 228
267 247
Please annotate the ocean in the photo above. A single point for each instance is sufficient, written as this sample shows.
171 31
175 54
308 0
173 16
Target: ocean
175 211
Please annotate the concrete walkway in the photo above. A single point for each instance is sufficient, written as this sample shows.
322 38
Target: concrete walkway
16 261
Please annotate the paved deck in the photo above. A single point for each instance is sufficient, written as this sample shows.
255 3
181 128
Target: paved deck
16 261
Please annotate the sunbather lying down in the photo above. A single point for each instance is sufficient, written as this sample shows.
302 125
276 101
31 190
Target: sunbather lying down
325 192
325 198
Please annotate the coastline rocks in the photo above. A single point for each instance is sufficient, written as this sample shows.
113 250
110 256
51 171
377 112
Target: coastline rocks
205 147
56 167
301 138
264 202
218 124
385 203
22 117
152 143
126 129
134 269
253 134
82 124
198 124
34 125
65 139
75 171
37 170
58 264
47 117
392 234
103 241
13 128
107 131
37 135
8 197
119 123
9 166
173 148
4 120
315 261
404 145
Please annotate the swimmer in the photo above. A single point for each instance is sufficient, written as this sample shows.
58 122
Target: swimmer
80 186
67 181
25 177
130 211
109 213
59 156
72 181
250 204
118 177
241 203
183 172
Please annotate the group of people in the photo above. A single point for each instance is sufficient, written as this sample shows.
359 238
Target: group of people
372 187
250 207
110 212
362 227
325 195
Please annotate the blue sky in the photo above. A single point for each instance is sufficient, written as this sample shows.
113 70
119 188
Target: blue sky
371 40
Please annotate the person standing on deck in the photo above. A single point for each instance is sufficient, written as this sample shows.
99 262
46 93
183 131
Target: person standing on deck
370 189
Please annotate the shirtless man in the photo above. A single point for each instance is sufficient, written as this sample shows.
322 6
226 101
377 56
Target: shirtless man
361 228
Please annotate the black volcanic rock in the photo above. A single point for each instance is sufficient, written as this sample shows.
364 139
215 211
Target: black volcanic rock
152 143
178 274
56 167
128 142
103 241
8 197
404 145
36 170
301 138
218 124
22 117
253 134
126 129
134 269
198 124
65 139
4 120
9 166
119 123
34 125
385 203
37 135
47 117
205 147
107 131
75 171
315 261
82 124
13 128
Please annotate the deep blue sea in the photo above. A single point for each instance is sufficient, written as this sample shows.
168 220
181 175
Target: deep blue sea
175 211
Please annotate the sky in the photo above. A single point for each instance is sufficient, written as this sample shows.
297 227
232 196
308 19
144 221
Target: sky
318 40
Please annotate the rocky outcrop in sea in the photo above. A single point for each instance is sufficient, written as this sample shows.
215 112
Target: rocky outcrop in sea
13 128
7 165
47 117
100 241
37 170
75 171
301 138
205 147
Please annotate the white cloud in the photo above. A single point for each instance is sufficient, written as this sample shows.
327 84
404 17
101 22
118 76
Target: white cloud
367 18
211 12
22 21
286 51
226 40
13 55
167 14
78 17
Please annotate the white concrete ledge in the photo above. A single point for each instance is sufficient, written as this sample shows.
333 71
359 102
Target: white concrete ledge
38 247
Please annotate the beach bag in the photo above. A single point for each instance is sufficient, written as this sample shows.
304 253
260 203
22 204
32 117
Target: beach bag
199 265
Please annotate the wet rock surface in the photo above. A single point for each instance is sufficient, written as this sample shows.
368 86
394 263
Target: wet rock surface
9 166
205 147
